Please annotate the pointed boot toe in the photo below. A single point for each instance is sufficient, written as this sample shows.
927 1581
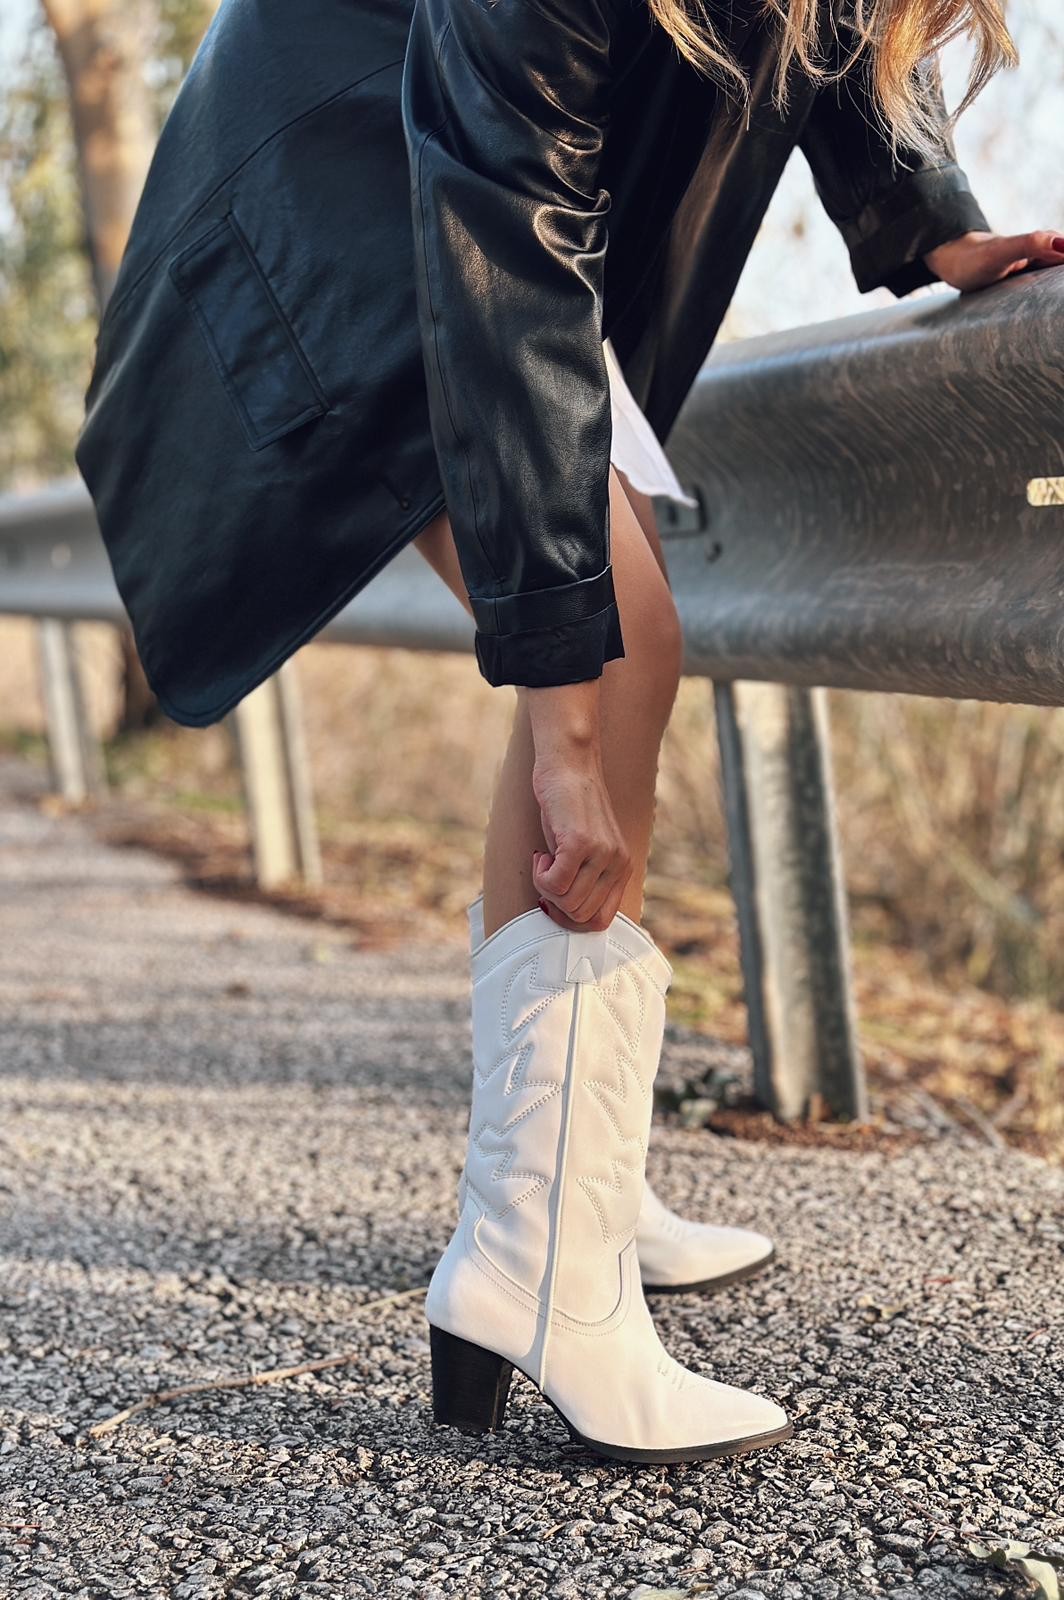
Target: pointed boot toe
677 1256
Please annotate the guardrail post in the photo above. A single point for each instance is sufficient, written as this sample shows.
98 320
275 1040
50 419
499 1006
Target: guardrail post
74 750
277 786
790 897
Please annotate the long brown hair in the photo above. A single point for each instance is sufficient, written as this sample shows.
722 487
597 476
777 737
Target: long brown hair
902 37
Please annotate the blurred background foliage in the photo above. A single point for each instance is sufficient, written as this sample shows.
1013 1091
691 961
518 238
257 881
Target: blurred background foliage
951 814
47 312
47 307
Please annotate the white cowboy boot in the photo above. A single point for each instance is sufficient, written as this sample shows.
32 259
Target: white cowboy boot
541 1273
676 1256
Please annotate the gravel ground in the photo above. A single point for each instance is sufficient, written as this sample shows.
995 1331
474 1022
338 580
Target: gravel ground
225 1133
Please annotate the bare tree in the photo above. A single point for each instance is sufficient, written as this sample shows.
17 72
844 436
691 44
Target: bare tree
103 45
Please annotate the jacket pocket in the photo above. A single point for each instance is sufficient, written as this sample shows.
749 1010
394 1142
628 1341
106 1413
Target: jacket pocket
251 343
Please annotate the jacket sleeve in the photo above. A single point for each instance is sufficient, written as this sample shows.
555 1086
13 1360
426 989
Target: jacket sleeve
504 111
890 214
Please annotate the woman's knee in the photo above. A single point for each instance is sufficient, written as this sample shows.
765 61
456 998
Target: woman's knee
649 620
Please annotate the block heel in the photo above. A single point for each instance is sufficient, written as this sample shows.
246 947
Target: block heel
470 1386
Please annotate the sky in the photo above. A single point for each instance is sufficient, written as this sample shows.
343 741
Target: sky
1010 143
14 20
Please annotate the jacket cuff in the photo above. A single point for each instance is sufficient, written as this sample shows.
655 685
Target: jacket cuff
551 636
565 652
889 238
543 608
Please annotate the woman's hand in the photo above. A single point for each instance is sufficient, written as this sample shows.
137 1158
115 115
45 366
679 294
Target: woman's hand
977 259
583 874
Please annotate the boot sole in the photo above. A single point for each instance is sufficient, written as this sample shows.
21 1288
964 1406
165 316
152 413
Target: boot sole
471 1387
664 1458
708 1285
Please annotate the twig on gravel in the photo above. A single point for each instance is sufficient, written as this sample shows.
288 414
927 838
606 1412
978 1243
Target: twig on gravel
936 1111
982 1124
1015 1103
245 1380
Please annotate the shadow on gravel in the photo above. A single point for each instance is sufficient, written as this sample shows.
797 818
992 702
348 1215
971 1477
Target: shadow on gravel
190 1049
224 1266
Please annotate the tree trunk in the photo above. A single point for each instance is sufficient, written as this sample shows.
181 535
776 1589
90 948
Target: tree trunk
103 45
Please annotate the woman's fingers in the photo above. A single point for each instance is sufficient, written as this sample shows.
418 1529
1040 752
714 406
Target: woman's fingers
557 877
976 260
597 913
600 908
578 908
588 856
602 904
570 878
583 887
1045 245
1011 253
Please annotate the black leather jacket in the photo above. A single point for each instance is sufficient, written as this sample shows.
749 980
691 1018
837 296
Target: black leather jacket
378 251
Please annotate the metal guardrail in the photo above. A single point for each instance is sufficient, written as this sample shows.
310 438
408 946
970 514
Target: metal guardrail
53 564
881 507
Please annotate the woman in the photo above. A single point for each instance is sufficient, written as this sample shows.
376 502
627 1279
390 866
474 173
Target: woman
368 299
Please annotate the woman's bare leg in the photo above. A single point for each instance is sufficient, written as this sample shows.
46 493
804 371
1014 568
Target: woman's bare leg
637 696
643 506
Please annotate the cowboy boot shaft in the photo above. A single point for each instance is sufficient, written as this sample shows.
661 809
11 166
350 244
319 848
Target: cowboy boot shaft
559 1122
675 1255
541 1272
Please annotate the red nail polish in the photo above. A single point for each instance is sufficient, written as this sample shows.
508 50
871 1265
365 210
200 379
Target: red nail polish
545 908
1058 244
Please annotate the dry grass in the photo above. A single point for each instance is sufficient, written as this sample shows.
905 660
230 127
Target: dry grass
951 816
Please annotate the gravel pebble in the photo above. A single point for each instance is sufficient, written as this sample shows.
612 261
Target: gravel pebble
191 1189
